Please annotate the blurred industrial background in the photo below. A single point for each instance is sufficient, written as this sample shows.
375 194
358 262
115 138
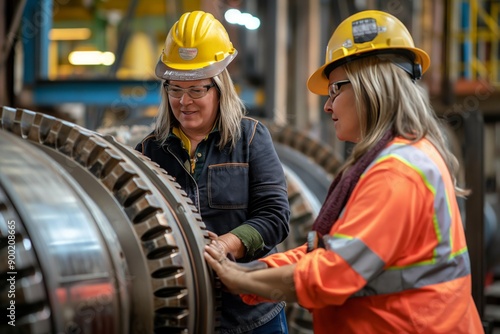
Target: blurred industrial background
105 241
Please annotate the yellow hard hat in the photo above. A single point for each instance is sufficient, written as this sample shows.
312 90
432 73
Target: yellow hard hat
197 47
369 33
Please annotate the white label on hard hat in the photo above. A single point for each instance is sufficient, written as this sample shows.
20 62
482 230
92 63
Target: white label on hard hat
188 53
347 43
364 30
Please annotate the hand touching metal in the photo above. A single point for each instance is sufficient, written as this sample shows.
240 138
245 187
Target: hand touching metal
230 243
253 278
229 272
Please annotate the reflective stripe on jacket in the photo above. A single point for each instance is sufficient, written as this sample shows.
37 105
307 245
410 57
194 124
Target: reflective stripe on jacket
396 260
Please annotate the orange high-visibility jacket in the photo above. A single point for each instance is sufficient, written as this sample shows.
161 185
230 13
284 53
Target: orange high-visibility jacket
396 260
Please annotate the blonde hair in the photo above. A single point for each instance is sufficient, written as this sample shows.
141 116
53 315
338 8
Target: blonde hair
387 98
228 121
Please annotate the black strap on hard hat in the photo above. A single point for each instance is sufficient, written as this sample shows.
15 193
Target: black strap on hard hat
405 59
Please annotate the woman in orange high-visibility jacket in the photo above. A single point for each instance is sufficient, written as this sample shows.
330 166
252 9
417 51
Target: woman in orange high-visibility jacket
387 253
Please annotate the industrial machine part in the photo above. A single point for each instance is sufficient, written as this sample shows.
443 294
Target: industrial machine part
105 241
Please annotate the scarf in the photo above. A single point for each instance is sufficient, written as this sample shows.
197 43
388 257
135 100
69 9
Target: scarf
343 185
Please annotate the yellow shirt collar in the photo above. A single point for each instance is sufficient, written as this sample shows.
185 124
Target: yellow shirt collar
186 143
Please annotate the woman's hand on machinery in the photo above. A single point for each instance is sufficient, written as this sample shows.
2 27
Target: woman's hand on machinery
228 271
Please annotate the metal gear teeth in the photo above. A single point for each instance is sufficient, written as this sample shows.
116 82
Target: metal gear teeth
152 229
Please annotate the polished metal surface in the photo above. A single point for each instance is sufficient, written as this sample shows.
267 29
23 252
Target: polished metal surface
116 244
61 227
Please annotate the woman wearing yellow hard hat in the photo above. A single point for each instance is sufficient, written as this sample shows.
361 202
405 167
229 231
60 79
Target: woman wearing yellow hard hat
387 253
223 160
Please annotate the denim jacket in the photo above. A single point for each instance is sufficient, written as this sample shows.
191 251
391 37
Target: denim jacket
240 185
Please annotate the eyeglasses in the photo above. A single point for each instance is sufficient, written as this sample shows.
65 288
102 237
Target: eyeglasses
195 92
334 88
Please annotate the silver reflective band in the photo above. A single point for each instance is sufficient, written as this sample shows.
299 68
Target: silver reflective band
165 72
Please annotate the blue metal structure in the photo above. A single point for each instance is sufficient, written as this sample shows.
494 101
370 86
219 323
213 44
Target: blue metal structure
110 92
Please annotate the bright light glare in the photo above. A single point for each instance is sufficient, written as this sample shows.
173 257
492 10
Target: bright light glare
253 23
91 58
234 16
69 34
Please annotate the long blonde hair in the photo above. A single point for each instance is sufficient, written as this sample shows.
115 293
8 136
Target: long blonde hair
387 98
231 111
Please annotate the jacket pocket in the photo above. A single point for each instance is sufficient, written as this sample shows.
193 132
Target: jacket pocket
228 186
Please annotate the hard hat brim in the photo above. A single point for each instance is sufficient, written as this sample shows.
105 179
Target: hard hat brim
177 73
318 82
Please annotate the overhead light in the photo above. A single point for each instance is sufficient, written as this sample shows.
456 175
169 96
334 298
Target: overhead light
234 16
91 58
69 34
